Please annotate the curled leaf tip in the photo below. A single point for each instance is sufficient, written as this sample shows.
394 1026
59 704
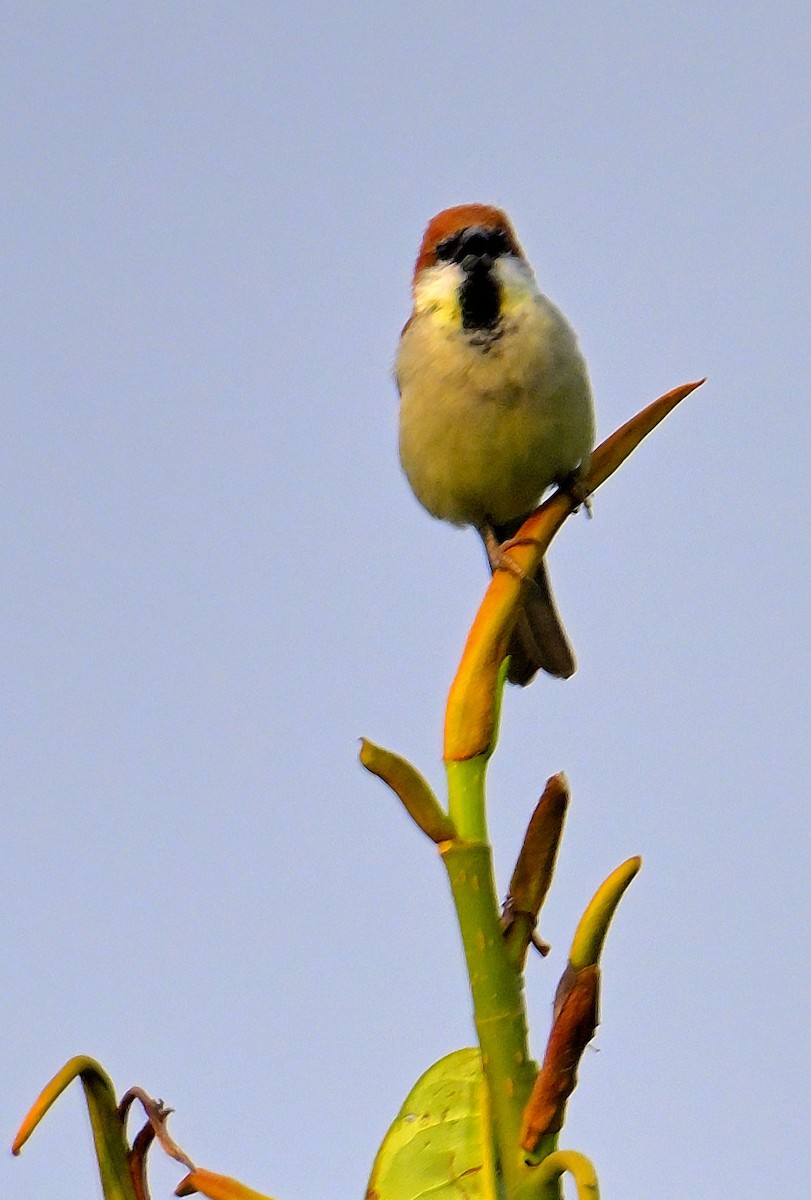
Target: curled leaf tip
106 1122
158 1115
96 1082
571 1162
590 934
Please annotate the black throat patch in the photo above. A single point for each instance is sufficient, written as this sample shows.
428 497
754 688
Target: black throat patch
480 296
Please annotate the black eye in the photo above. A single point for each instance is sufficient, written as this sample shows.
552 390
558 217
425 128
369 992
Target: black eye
497 243
473 241
449 250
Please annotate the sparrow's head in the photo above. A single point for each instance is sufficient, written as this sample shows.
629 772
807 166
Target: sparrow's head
470 269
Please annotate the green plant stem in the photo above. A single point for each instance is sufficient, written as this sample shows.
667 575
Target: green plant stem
497 987
466 803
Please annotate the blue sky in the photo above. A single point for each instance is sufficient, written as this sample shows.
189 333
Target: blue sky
216 578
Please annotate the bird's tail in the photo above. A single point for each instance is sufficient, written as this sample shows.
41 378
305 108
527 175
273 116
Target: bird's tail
539 641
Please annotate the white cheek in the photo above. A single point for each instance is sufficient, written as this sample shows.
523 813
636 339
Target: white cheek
515 276
437 288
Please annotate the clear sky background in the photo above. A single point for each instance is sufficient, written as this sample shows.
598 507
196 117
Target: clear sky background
215 578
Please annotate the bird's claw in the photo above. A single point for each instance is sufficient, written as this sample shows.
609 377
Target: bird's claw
574 486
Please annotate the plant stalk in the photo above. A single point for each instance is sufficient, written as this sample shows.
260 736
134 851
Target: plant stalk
496 985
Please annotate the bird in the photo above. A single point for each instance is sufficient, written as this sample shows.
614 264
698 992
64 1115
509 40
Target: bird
495 404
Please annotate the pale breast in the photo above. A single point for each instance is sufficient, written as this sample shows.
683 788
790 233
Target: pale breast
487 424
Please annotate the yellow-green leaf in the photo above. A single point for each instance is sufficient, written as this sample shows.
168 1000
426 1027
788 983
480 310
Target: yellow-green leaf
441 1143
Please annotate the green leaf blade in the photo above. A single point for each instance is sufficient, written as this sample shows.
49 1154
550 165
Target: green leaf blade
440 1145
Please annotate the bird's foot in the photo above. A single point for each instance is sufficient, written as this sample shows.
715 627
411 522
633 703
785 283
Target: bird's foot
574 486
498 553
